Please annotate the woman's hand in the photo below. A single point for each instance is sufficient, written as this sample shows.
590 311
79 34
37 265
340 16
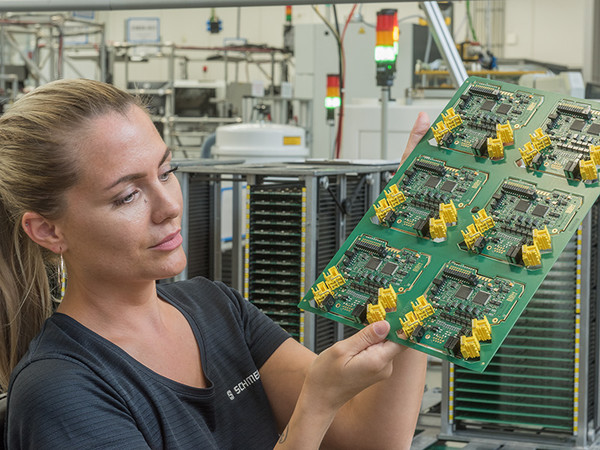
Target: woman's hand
350 366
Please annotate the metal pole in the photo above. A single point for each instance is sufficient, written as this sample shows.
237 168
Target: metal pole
34 69
2 60
103 65
97 5
444 42
385 93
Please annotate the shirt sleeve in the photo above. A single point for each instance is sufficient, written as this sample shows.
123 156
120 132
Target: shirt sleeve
71 409
262 335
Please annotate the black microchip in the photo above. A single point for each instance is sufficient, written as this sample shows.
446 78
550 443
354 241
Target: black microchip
488 105
481 298
594 129
504 108
522 206
464 292
448 186
373 263
577 125
432 182
389 268
540 211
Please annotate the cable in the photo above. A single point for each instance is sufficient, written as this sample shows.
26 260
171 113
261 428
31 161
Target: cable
342 83
326 22
471 21
338 139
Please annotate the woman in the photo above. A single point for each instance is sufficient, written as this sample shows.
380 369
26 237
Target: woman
123 363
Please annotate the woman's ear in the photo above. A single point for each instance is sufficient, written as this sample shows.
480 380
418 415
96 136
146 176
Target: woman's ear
43 232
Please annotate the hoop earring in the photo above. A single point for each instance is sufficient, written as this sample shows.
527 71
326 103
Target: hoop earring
62 277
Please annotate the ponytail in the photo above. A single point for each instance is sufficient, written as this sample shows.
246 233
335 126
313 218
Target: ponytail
25 300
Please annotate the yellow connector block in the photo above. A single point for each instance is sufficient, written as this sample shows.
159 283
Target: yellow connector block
542 239
439 131
437 228
375 313
595 154
495 148
394 196
409 323
387 297
540 140
505 133
448 212
482 221
469 347
531 255
321 292
334 279
451 119
470 235
588 170
528 152
422 308
481 329
382 209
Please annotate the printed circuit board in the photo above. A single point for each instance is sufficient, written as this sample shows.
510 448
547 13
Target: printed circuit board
464 233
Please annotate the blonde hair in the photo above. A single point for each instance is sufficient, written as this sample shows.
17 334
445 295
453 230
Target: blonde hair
38 138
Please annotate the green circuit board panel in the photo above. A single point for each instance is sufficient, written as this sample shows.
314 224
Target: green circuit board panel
462 236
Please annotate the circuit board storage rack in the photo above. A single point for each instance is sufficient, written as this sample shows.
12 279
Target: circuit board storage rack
462 236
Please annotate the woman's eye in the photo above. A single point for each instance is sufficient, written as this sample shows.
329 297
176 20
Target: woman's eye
165 176
126 199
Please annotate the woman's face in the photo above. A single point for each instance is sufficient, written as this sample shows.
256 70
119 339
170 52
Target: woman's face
123 217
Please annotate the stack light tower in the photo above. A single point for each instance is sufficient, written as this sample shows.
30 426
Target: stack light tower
332 102
386 54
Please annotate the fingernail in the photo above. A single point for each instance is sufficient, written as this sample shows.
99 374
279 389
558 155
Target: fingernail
381 328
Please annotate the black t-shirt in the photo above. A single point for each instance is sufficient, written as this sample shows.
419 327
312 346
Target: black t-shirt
75 389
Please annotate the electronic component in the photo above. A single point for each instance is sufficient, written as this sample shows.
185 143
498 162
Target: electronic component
469 347
464 292
448 213
571 109
481 298
472 237
594 129
488 105
539 140
530 155
459 290
588 170
375 313
481 329
409 323
439 131
542 239
333 279
504 108
437 229
394 196
422 308
505 132
577 125
387 297
532 256
451 119
495 148
595 154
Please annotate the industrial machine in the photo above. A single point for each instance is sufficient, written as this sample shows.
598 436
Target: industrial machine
297 216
